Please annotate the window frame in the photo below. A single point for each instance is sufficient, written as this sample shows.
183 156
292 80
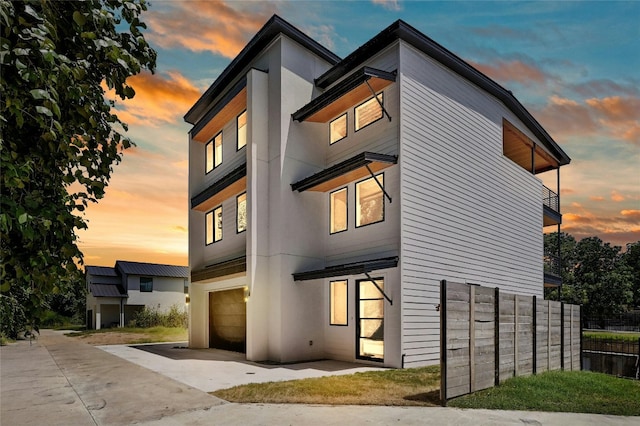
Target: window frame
346 219
332 306
149 282
245 213
212 212
384 213
346 127
238 148
212 142
355 115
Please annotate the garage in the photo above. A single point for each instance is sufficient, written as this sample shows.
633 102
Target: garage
228 320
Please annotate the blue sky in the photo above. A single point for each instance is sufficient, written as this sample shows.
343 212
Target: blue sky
574 65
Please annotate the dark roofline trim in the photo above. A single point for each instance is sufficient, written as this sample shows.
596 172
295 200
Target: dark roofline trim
228 97
342 168
274 26
345 86
219 185
221 269
402 30
355 268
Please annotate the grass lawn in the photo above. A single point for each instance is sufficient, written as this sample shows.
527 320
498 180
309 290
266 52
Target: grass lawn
569 391
412 386
131 335
618 335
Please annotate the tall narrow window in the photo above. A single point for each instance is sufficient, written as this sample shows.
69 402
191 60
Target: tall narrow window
213 153
213 226
241 213
368 112
338 213
338 302
338 129
242 129
369 201
209 156
218 150
146 284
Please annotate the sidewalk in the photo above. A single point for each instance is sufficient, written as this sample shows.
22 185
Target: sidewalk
61 381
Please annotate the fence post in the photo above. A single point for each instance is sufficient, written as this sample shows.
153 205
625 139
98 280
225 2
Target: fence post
581 340
562 336
472 338
534 327
496 337
443 342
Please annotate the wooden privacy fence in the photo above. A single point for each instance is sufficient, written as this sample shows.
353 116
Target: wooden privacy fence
487 336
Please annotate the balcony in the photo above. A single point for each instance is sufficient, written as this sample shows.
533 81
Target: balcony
552 269
551 207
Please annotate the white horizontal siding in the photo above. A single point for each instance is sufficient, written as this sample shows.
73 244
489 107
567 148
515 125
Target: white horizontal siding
468 213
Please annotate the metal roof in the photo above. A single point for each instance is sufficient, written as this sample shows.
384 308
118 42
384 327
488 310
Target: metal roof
104 271
107 290
152 269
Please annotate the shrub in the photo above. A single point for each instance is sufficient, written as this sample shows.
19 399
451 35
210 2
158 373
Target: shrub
151 317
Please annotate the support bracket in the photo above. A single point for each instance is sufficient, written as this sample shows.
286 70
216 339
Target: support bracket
379 184
378 287
373 92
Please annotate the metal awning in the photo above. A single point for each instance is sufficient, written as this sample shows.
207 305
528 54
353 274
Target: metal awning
230 184
107 290
356 268
221 269
360 85
349 170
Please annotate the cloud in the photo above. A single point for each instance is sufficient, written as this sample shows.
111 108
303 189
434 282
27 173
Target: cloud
596 198
323 34
616 196
388 4
160 99
631 214
220 27
515 70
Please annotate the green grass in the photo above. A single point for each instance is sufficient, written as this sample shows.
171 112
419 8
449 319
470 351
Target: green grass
139 335
620 335
569 391
411 386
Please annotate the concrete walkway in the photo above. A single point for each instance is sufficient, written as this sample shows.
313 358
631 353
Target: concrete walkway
61 381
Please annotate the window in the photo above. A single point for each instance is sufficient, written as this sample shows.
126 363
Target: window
338 302
214 153
146 284
241 213
242 130
368 112
338 210
213 225
338 129
369 201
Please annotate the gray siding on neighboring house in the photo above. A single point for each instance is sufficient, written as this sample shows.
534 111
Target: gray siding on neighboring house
468 213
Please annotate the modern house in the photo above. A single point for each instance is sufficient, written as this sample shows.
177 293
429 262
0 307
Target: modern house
115 294
329 197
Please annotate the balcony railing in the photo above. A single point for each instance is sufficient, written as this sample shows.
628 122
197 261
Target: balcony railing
552 264
550 199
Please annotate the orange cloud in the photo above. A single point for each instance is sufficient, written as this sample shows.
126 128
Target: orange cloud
514 70
159 98
220 27
596 198
633 214
616 196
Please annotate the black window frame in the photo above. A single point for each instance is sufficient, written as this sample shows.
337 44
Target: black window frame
212 141
146 283
344 188
238 132
245 212
212 212
359 318
355 206
346 302
346 127
381 103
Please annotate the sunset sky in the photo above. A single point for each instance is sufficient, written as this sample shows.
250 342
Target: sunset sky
574 65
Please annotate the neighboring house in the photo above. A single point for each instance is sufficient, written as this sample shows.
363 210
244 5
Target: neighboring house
330 196
115 294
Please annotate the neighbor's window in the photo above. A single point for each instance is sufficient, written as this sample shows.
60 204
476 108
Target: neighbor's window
214 153
338 299
241 213
369 201
213 225
146 284
338 210
338 129
368 112
242 129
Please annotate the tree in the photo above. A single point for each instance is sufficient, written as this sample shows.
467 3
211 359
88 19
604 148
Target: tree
60 138
631 258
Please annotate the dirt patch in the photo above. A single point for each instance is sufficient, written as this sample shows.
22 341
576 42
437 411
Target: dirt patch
113 338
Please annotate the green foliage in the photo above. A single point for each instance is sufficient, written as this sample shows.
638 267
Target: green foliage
151 317
59 140
631 258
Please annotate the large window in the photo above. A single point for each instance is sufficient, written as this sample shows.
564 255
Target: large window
242 130
146 284
338 129
368 112
369 201
338 211
213 225
338 302
214 153
241 213
370 322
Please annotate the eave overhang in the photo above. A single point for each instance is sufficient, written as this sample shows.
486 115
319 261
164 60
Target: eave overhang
232 183
403 31
351 91
241 63
550 216
229 107
356 268
221 269
346 171
552 281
